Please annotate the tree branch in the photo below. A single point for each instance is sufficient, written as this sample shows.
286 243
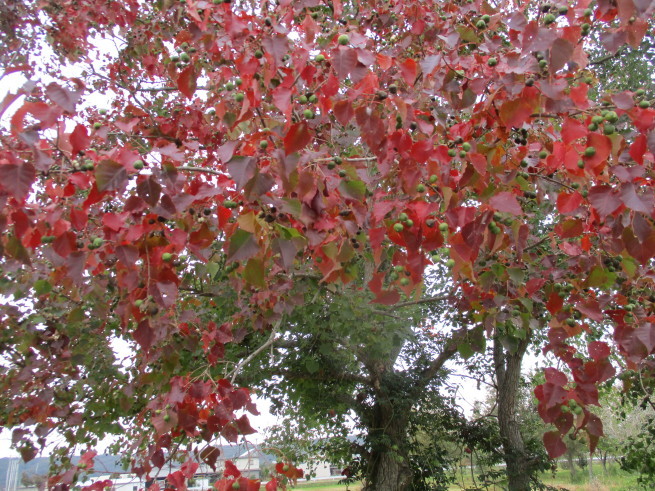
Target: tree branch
449 350
271 339
603 59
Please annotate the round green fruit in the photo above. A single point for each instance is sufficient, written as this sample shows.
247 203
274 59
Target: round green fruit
543 63
443 226
611 117
138 303
481 24
452 152
343 39
342 173
549 19
404 281
486 18
638 93
239 96
313 99
103 111
184 57
466 146
492 62
592 127
398 227
609 129
229 86
403 217
138 165
166 257
597 119
263 144
644 104
319 58
409 223
590 151
450 263
420 188
433 178
308 113
236 485
97 126
259 54
228 203
587 12
543 154
303 99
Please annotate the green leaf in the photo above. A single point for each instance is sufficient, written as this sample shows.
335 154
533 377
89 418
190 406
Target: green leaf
601 278
41 287
254 273
465 350
354 189
311 365
516 275
212 268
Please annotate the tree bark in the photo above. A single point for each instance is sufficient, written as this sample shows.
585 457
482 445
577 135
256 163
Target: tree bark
508 375
388 463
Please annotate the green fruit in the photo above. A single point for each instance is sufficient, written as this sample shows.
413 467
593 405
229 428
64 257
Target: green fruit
450 263
217 2
585 29
47 239
331 165
644 104
238 82
229 86
486 18
404 281
543 63
481 24
609 129
420 188
462 154
263 144
185 58
597 119
580 164
259 54
492 62
97 242
398 227
563 10
138 303
303 99
138 164
466 146
584 193
175 58
592 127
549 19
611 117
103 111
338 160
452 152
565 409
313 99
529 82
343 39
97 126
543 154
308 113
319 58
228 203
239 96
285 468
409 223
166 257
638 93
393 276
433 178
403 217
587 12
342 173
575 185
393 88
590 151
443 226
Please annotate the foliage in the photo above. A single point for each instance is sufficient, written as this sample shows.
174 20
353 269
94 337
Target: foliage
171 172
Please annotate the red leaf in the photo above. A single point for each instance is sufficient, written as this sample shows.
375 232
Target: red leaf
297 138
282 98
110 175
79 139
506 202
554 444
555 377
343 111
271 485
64 98
408 69
144 335
516 112
186 81
643 203
638 149
149 191
231 469
560 54
17 179
568 202
599 350
595 426
604 199
344 62
244 426
572 130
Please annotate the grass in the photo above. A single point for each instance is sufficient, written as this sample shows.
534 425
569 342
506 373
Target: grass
614 480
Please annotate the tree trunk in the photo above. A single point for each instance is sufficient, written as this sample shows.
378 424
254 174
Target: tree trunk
569 456
388 463
508 375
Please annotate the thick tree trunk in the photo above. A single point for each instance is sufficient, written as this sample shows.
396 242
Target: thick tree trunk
388 464
508 375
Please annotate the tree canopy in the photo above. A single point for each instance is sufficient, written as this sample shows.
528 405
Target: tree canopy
172 172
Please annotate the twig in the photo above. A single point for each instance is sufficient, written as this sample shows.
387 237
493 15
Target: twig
271 339
603 59
199 169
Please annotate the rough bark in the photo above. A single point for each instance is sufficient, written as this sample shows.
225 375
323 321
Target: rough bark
388 465
508 375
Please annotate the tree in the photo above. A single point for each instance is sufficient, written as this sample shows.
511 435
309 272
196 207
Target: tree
173 169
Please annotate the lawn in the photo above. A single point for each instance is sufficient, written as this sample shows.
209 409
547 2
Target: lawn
613 480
